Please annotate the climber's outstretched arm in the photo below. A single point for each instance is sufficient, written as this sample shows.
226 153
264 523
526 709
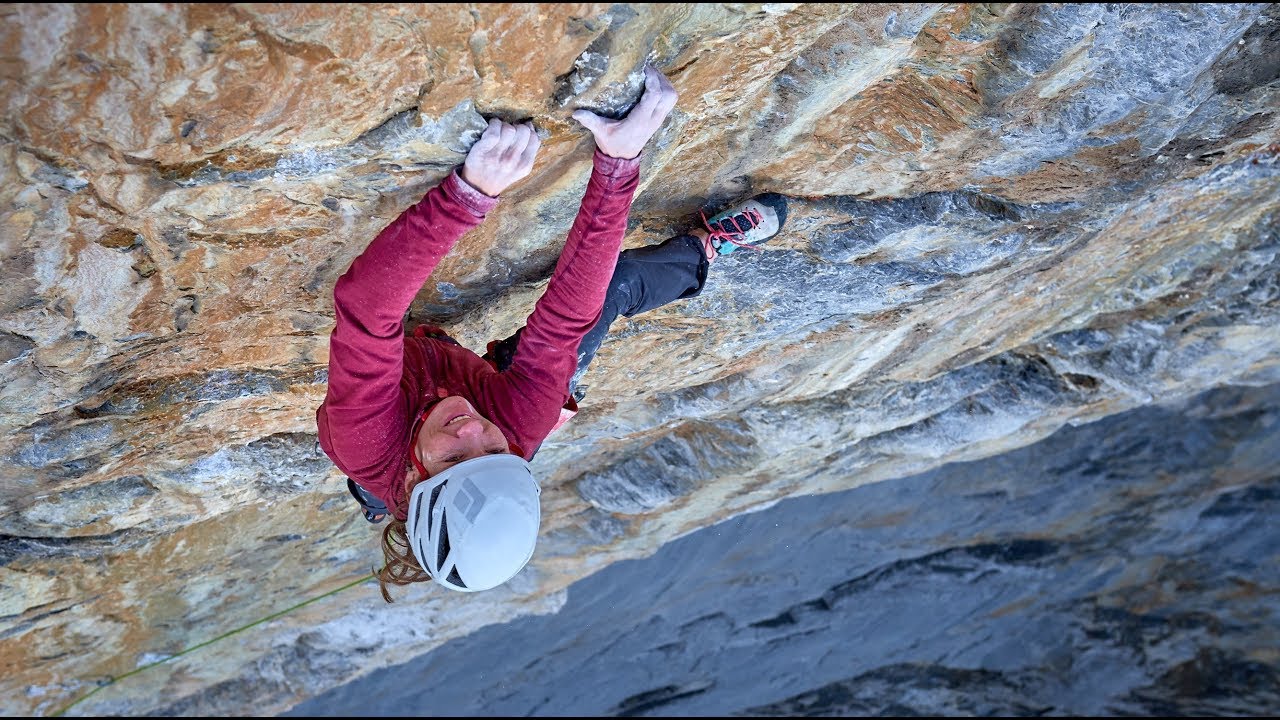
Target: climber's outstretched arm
366 348
547 352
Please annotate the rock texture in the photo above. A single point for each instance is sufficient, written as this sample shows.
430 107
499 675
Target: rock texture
1007 219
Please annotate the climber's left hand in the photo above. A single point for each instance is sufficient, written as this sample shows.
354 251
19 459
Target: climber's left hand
625 138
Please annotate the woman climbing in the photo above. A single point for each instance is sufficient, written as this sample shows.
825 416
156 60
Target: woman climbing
439 437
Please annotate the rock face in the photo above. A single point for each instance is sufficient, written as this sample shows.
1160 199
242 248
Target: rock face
1126 567
1006 219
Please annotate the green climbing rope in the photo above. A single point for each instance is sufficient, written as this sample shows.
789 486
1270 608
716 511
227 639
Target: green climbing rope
193 648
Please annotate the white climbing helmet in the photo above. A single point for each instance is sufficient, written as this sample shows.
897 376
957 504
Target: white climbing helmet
473 526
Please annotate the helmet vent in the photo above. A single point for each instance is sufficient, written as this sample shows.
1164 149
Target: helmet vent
442 553
417 512
431 505
442 546
455 578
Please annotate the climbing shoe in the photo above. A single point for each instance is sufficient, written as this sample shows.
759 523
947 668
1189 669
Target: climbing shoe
747 225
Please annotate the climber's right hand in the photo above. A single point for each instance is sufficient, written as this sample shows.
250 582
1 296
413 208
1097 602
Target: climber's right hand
503 155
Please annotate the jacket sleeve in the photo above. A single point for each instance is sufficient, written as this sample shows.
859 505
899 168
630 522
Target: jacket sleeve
364 418
529 395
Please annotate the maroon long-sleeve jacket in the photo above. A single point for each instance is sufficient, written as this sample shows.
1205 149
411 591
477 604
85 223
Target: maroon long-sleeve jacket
380 381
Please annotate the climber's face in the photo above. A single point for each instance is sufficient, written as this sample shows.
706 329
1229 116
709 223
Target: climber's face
454 431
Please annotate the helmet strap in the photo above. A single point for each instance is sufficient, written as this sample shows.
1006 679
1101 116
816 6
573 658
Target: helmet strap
413 442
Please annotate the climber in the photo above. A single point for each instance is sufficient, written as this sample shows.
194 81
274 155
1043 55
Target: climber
440 437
